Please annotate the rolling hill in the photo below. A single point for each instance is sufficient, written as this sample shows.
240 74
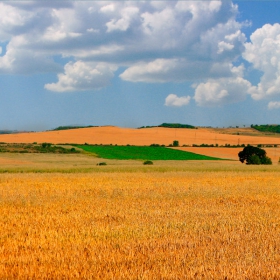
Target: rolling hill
164 136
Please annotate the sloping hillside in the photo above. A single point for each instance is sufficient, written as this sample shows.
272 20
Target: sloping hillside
124 136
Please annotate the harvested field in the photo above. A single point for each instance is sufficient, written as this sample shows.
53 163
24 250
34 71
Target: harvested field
134 225
230 153
123 136
84 163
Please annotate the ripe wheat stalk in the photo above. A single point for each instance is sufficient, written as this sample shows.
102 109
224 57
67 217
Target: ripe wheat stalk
154 225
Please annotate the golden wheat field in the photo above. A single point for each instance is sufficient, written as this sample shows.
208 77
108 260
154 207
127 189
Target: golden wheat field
149 224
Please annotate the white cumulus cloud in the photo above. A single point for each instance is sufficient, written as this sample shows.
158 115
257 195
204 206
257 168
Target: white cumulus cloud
80 76
273 105
157 71
217 92
175 101
264 53
153 42
123 23
139 31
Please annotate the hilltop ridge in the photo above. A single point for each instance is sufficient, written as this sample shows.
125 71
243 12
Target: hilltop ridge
107 135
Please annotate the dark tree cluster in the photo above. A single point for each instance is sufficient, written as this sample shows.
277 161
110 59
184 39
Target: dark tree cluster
274 128
254 155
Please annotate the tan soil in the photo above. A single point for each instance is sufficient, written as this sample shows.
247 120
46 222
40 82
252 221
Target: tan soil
124 136
229 153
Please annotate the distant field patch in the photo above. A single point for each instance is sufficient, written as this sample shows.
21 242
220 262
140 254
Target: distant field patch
142 152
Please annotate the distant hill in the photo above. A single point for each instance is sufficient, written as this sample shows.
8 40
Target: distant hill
141 137
10 131
71 127
171 125
274 128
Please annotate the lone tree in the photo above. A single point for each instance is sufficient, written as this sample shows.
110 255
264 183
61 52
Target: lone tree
175 143
254 155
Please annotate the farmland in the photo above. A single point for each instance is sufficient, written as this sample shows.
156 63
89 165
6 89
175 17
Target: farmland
62 216
164 136
205 223
142 152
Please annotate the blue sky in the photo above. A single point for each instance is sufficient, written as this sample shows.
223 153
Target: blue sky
129 64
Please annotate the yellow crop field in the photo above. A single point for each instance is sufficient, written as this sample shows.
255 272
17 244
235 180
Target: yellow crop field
141 225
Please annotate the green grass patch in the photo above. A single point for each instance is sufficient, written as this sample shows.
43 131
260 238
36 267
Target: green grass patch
142 152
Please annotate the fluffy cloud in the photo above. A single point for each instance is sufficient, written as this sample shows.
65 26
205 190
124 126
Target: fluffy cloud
122 24
175 70
12 21
80 76
264 53
172 41
157 71
274 105
217 92
24 61
175 101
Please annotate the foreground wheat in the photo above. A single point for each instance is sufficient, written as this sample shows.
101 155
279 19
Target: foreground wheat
173 225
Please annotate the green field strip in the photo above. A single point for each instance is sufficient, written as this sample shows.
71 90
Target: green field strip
142 152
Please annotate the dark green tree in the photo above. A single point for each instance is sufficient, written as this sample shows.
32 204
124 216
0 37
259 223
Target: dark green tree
254 159
175 143
254 155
